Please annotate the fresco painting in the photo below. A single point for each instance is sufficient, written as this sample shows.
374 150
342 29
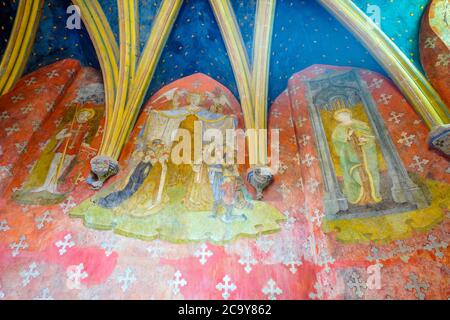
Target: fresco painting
157 198
110 190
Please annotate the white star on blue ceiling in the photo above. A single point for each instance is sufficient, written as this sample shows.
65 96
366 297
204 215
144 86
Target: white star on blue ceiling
304 34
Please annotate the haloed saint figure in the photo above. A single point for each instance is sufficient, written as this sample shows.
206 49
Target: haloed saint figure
355 145
46 183
69 141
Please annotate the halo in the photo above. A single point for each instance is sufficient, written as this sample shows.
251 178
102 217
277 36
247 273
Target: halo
343 110
88 110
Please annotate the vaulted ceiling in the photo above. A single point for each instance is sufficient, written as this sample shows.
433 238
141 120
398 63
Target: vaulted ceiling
304 34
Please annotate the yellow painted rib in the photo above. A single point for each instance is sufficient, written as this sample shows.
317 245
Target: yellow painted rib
231 34
128 23
20 43
105 45
252 83
146 67
408 78
265 14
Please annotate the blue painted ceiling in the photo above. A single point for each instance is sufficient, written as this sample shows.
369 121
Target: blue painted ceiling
304 34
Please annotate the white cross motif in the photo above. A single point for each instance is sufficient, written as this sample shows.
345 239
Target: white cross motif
63 245
49 106
4 115
430 43
126 279
402 250
247 260
376 83
276 113
203 253
290 220
108 246
417 286
71 72
155 250
177 282
419 164
284 190
75 274
295 90
376 256
313 185
304 139
297 104
40 89
396 117
317 217
60 89
290 122
385 99
297 159
42 220
282 168
17 98
264 243
20 147
53 74
28 274
308 160
406 139
436 246
226 286
57 122
271 290
44 295
301 121
67 205
30 81
357 284
4 225
324 258
319 291
16 247
299 184
292 261
443 59
12 130
36 124
27 109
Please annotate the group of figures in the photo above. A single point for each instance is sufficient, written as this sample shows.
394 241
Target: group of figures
352 170
215 187
356 185
164 183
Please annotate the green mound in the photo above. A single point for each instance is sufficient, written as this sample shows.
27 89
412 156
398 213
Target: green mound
176 224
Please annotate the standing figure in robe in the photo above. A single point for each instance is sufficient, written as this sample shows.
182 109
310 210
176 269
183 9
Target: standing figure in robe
355 145
68 142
